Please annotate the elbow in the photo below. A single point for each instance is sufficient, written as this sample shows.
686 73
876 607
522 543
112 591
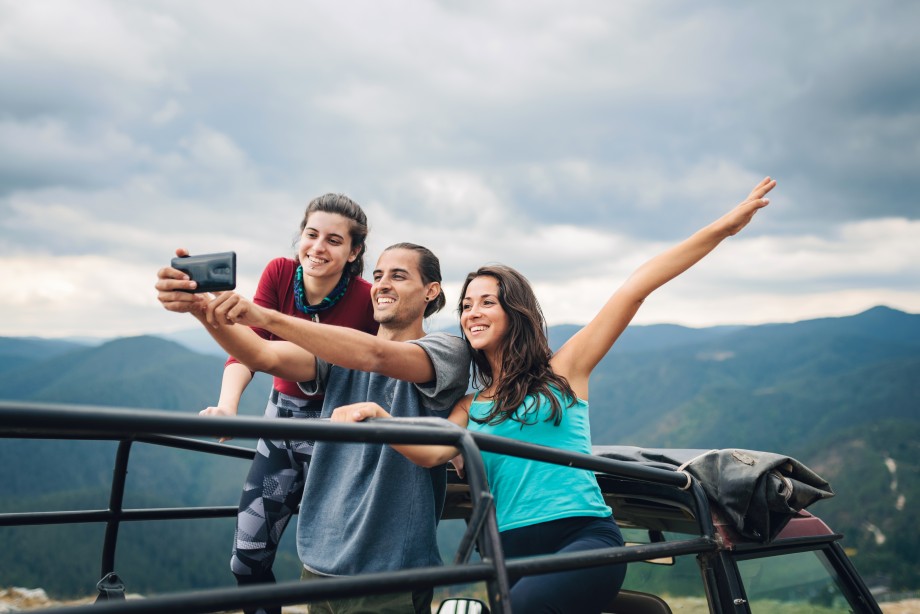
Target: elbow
265 363
429 463
634 294
438 458
427 459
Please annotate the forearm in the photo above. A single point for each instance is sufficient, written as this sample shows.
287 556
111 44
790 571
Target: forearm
353 349
668 265
427 456
423 455
235 380
241 342
586 348
672 262
276 358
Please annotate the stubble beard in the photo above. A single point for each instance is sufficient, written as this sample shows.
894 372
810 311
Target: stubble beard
397 319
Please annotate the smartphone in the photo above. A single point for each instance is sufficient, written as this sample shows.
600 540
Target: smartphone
213 272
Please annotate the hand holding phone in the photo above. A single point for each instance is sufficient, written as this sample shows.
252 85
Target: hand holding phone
212 272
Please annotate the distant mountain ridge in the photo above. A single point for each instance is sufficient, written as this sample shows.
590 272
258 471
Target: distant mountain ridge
840 394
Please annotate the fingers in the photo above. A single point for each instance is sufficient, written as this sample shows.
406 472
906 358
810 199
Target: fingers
169 279
220 412
357 412
178 301
458 464
172 290
348 413
762 188
221 311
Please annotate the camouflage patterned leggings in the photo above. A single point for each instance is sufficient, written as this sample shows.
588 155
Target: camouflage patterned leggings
271 494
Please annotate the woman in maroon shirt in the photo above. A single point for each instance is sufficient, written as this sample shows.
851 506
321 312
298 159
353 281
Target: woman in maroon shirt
324 284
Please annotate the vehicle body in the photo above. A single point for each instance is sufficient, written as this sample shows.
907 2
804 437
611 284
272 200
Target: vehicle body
802 568
685 551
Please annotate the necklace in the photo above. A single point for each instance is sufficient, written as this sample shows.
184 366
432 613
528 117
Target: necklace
300 299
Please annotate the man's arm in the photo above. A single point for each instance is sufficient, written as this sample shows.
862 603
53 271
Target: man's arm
345 347
423 455
279 358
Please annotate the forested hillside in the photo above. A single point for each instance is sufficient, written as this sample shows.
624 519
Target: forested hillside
840 394
44 475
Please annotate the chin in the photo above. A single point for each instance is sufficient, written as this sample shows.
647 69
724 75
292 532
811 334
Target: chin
476 344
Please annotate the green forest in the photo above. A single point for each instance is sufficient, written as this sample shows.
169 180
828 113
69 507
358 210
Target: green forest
840 394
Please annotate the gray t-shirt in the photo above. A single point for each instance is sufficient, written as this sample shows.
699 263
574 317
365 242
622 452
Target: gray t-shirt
367 508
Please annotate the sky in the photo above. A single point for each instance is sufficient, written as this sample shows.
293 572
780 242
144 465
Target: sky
572 141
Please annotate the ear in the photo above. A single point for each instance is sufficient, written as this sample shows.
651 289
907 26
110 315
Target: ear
432 291
355 252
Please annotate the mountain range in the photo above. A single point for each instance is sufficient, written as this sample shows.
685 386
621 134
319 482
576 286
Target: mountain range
840 394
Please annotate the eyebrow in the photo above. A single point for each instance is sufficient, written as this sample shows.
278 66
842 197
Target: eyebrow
396 270
484 295
331 234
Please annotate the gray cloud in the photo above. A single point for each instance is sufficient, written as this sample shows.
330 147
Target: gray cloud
484 128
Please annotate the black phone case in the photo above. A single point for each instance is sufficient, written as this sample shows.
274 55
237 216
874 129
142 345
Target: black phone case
213 272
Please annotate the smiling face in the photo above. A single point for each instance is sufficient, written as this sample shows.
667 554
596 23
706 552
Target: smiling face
325 245
399 291
482 317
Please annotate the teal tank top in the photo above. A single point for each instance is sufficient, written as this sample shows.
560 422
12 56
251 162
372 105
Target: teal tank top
529 492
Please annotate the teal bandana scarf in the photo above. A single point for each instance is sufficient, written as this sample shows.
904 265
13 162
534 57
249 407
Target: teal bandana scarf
300 299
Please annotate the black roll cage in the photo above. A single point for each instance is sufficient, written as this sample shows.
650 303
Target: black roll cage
28 420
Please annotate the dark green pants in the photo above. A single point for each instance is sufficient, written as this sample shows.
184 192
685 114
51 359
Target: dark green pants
417 602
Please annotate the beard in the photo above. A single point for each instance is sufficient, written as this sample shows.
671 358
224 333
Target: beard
401 317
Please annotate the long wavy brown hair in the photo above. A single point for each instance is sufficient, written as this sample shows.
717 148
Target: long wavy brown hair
524 351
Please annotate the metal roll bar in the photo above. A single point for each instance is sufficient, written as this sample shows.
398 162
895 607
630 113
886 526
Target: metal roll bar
53 421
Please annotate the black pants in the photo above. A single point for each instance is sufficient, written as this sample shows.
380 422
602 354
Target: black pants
271 494
580 591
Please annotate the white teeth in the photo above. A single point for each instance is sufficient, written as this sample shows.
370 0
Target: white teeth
477 329
385 300
315 260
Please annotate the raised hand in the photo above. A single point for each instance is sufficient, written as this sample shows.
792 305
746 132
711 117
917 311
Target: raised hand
170 285
740 216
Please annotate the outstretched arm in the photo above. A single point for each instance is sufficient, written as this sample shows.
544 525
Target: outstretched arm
346 347
279 358
578 357
423 455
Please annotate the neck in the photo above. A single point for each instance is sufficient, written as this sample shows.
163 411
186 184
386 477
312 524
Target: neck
495 363
397 332
318 288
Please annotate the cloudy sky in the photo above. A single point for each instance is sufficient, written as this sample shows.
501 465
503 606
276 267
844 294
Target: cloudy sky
569 140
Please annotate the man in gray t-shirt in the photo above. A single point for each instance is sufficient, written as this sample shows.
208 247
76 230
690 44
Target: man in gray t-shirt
366 508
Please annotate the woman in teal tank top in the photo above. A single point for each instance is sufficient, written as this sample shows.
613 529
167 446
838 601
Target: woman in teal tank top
530 394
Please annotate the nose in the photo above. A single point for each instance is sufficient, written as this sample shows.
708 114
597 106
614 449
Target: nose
382 283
